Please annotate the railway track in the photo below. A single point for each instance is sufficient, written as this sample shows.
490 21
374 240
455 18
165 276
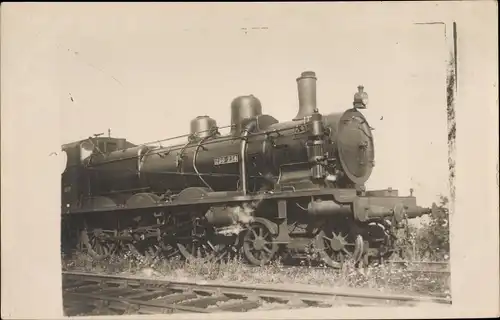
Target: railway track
421 266
435 264
85 294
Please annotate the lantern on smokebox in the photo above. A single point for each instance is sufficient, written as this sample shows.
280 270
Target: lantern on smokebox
360 98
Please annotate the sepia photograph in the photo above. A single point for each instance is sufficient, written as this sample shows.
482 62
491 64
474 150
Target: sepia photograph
248 157
252 158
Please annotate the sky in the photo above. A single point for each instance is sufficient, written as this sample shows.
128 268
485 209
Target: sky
146 73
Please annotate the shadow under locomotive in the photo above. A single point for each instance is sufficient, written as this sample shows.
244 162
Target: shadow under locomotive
265 189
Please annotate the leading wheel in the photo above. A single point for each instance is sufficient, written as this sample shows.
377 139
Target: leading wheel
258 244
381 243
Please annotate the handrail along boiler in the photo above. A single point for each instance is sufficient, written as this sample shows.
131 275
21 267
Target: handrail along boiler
266 188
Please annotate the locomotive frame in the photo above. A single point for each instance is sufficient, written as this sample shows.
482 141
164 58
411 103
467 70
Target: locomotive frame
266 189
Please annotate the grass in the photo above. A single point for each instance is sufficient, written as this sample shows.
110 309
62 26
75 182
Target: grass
382 278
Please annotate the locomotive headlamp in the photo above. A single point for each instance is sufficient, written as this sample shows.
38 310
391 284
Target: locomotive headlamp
63 160
360 98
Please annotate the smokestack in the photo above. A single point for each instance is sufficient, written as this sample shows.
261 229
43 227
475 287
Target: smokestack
306 85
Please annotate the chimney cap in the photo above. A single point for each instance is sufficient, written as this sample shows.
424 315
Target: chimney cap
307 74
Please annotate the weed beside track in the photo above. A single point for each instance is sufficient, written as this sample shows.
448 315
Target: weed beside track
398 277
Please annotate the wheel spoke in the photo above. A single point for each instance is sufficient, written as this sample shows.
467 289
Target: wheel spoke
211 245
255 234
349 254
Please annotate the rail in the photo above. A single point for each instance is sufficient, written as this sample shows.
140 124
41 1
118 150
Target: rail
430 266
441 263
86 293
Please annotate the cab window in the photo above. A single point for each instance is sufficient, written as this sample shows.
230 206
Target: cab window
110 147
107 147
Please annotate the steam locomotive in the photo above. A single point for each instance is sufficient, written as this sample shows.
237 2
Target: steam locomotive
265 189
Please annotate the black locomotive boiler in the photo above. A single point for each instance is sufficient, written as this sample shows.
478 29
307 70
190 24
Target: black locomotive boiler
265 189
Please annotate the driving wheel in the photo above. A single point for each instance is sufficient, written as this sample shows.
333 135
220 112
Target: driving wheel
335 248
258 244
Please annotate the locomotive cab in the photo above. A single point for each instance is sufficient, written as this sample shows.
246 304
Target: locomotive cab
75 178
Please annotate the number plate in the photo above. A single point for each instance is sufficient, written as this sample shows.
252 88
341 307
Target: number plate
226 159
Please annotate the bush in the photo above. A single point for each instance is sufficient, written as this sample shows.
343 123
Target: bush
431 240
